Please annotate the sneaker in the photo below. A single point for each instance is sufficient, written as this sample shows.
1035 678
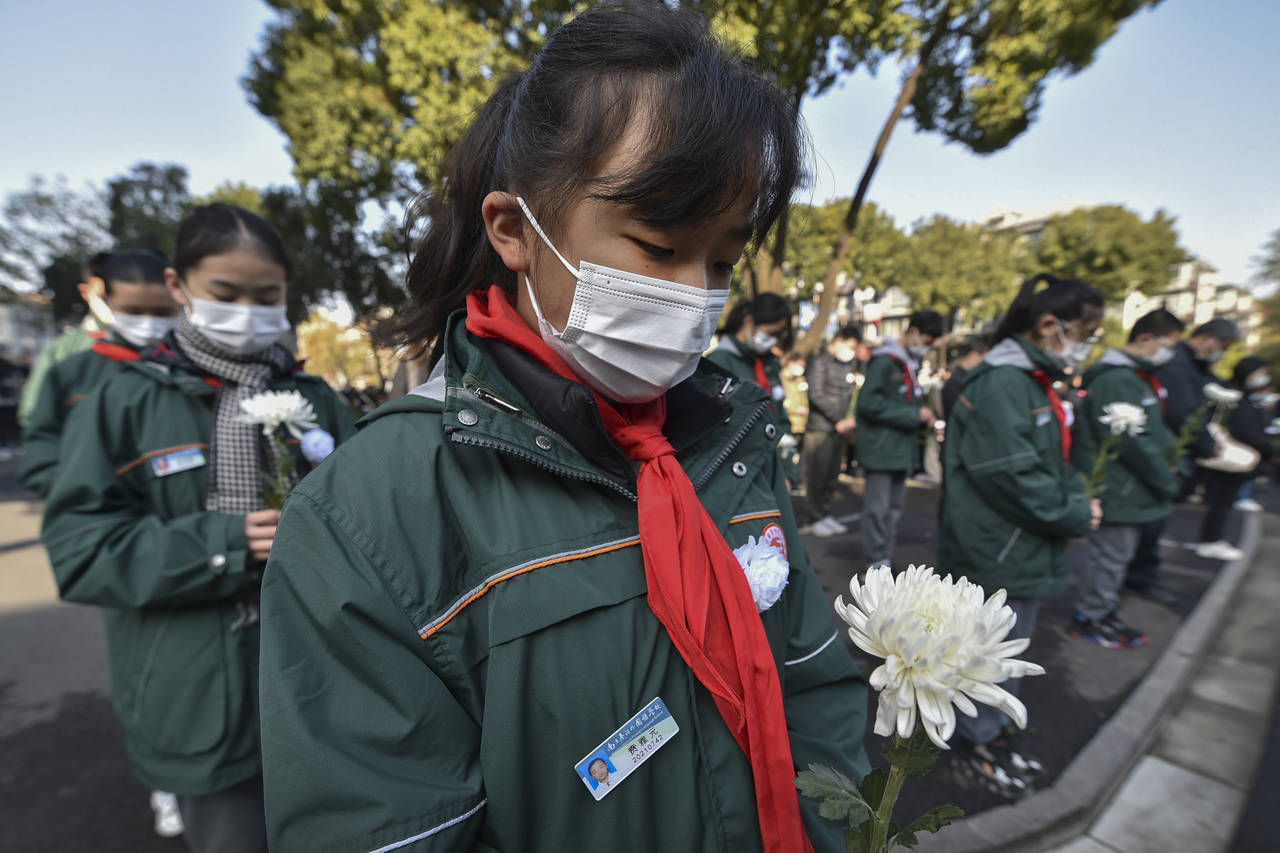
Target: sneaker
991 766
1108 632
1025 763
821 528
168 818
1248 505
1220 550
834 526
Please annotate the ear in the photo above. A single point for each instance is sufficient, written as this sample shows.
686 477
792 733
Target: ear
171 282
504 224
1046 326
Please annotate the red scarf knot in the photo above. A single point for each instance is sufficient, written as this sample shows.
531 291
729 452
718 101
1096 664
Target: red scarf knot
1064 432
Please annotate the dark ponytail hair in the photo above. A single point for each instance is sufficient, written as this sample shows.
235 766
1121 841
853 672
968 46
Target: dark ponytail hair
766 308
213 229
1068 299
136 266
717 132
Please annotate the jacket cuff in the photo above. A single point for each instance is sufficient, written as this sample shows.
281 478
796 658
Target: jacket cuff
228 546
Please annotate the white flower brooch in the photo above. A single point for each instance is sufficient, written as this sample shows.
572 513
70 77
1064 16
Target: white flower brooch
766 569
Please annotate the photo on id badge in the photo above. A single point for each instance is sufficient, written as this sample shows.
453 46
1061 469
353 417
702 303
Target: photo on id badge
603 768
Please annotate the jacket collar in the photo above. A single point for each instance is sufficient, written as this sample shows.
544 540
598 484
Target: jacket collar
1018 352
489 392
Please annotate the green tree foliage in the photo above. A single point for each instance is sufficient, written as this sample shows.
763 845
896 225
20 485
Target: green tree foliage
145 206
876 255
975 71
959 270
1266 264
233 192
1112 248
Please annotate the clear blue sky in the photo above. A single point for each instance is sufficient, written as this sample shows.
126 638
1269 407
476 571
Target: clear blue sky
1181 110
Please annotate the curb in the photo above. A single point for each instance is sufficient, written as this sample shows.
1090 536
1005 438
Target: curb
1066 809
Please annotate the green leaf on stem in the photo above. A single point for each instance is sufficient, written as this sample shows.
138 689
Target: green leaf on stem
931 821
839 794
858 840
873 785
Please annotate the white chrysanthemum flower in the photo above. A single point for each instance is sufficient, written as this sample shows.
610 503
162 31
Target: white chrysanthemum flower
1216 393
1123 418
767 571
274 409
942 645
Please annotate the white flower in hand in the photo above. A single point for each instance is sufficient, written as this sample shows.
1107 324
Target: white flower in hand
316 445
767 571
942 645
1216 393
274 409
1123 418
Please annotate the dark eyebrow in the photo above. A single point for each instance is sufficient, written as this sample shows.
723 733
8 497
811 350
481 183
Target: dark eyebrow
742 232
275 285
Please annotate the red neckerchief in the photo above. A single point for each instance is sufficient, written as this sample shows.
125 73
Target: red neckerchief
762 380
115 352
906 372
697 588
1043 380
1156 385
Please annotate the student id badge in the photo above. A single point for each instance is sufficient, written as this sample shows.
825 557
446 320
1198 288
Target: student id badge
177 460
604 768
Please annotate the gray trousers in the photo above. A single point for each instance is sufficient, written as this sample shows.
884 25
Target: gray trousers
1111 547
823 454
987 726
886 491
230 821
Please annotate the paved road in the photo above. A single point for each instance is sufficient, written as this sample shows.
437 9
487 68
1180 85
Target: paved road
65 784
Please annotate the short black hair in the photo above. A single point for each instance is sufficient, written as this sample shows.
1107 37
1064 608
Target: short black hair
848 332
972 344
214 229
135 266
926 321
1226 331
1158 323
1067 299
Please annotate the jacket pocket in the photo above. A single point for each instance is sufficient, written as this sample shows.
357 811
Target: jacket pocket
169 679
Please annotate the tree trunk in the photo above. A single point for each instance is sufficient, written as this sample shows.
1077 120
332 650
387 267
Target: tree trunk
810 340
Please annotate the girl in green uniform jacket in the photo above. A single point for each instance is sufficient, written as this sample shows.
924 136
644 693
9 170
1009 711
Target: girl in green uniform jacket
751 333
142 312
508 616
1012 500
156 514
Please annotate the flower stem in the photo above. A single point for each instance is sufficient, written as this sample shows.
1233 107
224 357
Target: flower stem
884 814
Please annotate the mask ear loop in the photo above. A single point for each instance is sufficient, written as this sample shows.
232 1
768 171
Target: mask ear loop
537 310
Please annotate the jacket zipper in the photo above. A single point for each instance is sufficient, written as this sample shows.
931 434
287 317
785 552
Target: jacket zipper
146 667
521 453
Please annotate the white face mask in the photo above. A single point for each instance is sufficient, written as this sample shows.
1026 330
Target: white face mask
629 337
143 330
1073 354
1161 356
763 342
239 329
918 351
1257 383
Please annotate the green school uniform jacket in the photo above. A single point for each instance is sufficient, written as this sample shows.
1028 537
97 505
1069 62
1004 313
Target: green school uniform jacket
127 537
74 340
1010 502
730 357
64 384
1140 484
455 615
889 413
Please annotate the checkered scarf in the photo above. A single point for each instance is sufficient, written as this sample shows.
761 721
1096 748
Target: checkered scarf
238 452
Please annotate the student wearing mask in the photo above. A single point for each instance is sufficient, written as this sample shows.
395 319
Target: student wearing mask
1246 424
1184 376
1012 500
513 561
830 378
752 333
139 312
891 411
1141 481
156 514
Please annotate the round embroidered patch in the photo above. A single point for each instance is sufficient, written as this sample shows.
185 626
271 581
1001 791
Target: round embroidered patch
773 535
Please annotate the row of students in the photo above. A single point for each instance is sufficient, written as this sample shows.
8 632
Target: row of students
155 507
